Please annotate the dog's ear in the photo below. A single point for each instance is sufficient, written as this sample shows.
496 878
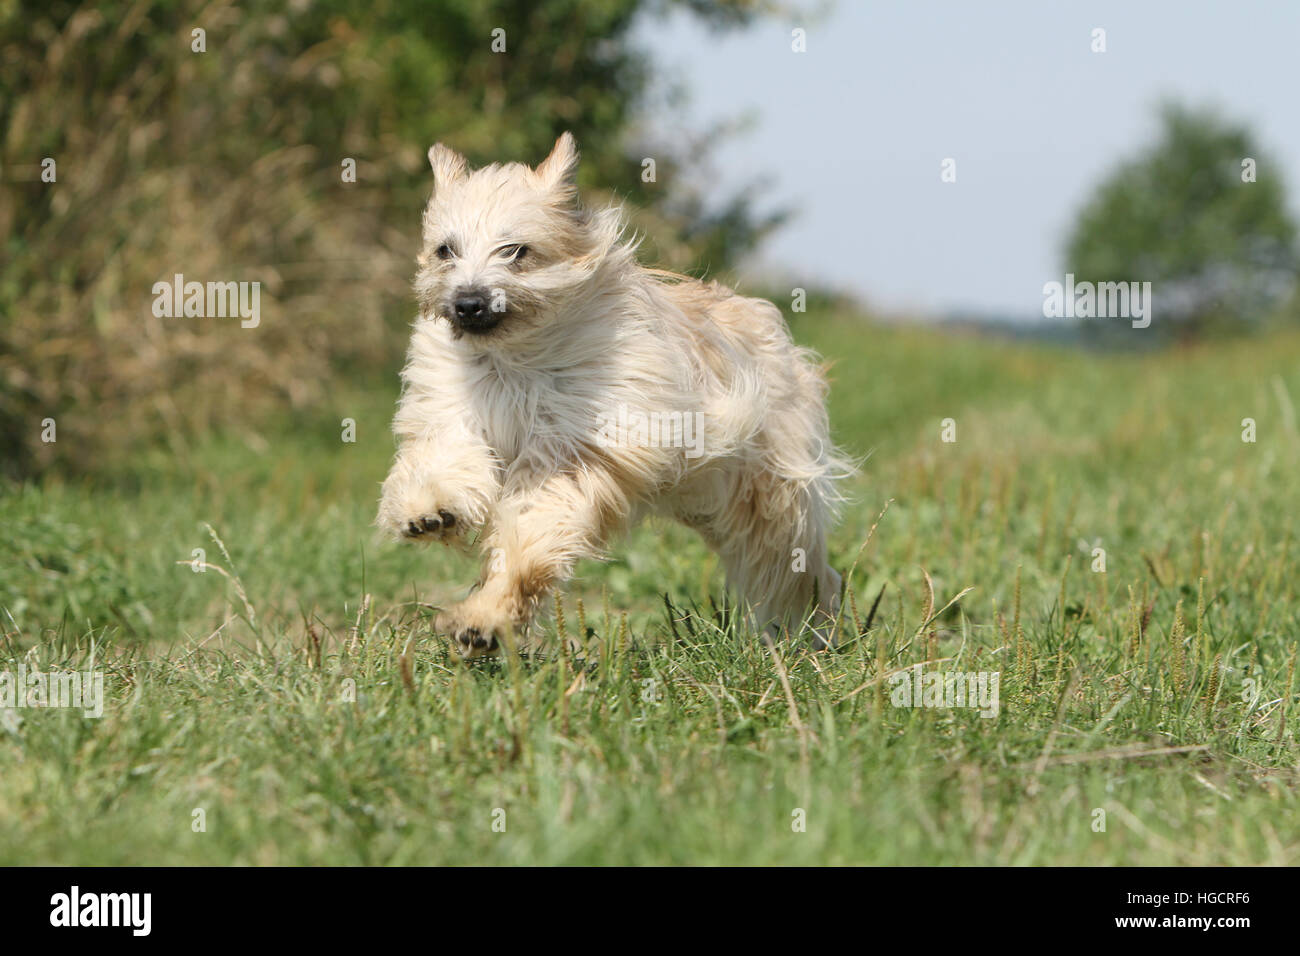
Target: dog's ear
559 170
448 165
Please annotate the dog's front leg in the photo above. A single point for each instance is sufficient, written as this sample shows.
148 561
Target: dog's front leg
442 484
537 537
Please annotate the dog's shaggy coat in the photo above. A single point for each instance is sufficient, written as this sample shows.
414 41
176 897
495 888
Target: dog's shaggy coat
536 326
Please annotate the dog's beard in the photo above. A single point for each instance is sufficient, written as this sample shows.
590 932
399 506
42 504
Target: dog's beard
495 328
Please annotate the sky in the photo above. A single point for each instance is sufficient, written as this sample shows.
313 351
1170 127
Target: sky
850 135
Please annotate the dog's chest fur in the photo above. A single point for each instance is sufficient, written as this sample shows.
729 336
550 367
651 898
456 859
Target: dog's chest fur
547 414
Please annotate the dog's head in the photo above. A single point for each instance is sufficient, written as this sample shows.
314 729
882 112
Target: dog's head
506 246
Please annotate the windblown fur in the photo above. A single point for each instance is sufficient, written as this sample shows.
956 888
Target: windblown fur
539 337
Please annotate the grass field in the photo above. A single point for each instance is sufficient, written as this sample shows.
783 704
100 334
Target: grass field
1147 715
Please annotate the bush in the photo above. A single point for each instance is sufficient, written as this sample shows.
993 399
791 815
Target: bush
225 165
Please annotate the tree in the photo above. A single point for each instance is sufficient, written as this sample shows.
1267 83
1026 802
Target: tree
1202 216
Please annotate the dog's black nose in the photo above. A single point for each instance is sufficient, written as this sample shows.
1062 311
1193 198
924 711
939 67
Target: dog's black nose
471 308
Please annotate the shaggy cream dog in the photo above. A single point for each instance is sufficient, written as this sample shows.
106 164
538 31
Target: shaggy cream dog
555 391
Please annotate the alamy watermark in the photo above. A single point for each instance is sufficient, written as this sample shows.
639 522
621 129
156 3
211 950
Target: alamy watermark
130 910
37 688
625 427
1100 300
213 300
915 687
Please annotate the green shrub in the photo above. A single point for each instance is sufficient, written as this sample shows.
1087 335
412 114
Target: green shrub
225 165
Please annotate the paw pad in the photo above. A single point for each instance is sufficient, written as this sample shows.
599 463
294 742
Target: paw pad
472 639
430 524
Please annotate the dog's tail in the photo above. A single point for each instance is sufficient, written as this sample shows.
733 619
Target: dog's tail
735 416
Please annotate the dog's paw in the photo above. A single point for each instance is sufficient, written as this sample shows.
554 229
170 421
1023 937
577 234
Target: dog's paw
435 526
471 642
421 524
422 510
472 631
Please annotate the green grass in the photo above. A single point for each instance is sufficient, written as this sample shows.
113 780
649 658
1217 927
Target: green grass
679 742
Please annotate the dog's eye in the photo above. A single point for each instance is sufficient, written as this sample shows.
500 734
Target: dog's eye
444 251
514 253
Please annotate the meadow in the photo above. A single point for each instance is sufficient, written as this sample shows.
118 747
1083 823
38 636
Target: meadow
275 694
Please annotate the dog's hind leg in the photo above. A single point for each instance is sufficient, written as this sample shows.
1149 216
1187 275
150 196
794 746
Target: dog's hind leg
772 540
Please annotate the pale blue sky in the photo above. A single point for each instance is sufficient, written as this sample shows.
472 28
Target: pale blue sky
851 133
